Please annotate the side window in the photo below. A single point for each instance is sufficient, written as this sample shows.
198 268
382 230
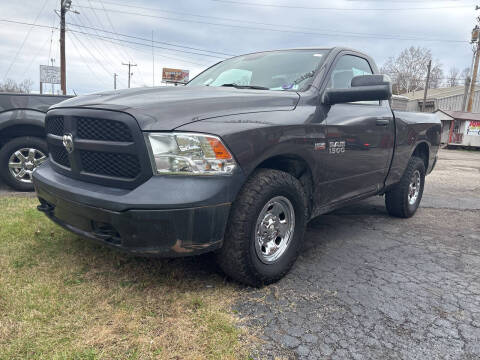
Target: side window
346 68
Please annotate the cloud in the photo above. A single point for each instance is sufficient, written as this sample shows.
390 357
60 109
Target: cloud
91 62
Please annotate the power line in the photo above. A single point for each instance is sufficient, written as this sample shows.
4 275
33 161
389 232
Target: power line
245 3
24 40
158 42
156 54
51 36
137 43
125 52
98 36
315 33
247 21
86 63
99 21
91 54
282 30
98 47
150 40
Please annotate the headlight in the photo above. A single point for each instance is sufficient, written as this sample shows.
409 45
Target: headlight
189 154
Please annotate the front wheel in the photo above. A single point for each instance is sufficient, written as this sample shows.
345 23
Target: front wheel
266 228
18 158
403 200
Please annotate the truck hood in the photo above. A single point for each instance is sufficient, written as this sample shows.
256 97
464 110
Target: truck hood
166 108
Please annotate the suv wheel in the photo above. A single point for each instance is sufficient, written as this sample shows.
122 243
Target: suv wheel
18 158
403 200
266 228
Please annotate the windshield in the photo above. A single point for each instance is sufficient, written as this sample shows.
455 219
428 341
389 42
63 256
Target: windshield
274 70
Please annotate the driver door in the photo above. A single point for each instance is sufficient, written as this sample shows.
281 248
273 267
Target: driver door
359 137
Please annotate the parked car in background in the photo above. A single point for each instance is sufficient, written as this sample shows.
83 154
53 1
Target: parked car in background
237 161
22 136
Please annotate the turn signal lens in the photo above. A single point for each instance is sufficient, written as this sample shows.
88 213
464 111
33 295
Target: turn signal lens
219 149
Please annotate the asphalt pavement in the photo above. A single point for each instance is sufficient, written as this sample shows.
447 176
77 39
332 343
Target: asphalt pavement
369 286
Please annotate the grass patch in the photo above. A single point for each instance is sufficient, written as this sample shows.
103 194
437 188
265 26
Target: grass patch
62 297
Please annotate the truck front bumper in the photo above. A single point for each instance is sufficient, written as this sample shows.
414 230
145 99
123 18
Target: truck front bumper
166 216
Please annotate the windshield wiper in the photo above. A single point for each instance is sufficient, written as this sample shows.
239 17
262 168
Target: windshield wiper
255 87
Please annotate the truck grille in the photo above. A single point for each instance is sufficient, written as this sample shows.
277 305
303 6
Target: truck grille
54 125
117 165
59 155
108 147
98 129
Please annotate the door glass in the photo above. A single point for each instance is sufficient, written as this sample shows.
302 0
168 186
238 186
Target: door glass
345 70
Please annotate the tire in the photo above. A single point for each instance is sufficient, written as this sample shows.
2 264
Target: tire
27 164
401 200
266 192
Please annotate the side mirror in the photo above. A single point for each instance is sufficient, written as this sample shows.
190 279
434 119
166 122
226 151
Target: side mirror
364 88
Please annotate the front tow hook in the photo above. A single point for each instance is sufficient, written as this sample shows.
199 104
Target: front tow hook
46 208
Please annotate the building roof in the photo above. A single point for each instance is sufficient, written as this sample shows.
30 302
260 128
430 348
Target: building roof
439 93
461 115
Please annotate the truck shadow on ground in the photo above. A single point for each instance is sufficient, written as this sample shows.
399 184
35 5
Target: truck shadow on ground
201 271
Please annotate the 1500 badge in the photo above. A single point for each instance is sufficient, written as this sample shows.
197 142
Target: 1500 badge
336 147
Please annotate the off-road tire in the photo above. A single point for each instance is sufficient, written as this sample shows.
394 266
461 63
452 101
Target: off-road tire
237 257
8 149
396 199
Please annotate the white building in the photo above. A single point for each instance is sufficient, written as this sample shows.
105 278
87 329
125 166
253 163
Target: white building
460 128
451 98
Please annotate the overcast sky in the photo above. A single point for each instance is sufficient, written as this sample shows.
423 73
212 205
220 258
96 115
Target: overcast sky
221 27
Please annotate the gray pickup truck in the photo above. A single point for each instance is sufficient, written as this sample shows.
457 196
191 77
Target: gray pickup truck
236 162
22 136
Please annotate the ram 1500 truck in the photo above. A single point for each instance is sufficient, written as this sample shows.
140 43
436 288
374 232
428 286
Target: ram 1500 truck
236 162
22 136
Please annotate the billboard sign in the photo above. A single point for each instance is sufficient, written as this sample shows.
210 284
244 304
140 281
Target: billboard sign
473 128
49 74
175 75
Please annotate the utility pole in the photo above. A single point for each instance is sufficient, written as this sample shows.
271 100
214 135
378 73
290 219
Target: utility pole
426 85
153 63
465 94
129 71
64 6
475 39
53 85
115 81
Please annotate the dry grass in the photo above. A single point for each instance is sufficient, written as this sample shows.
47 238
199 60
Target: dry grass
62 297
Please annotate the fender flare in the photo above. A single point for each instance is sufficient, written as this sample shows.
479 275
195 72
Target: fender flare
21 117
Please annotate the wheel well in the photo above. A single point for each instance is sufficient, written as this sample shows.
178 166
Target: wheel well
295 166
422 151
15 131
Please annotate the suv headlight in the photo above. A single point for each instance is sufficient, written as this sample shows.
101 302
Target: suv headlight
189 154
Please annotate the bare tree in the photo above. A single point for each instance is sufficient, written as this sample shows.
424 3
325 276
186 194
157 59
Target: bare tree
452 79
436 77
12 86
465 73
409 70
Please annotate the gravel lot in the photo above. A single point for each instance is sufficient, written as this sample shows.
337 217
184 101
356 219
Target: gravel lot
370 286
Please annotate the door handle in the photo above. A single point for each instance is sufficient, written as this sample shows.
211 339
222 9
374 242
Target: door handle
382 122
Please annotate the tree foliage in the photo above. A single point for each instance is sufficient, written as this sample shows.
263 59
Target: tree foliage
11 86
408 70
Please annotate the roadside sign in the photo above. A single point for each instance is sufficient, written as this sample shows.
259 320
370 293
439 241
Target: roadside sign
49 74
473 128
175 75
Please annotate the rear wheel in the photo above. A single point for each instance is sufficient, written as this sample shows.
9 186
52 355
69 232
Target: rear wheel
403 200
18 158
265 230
